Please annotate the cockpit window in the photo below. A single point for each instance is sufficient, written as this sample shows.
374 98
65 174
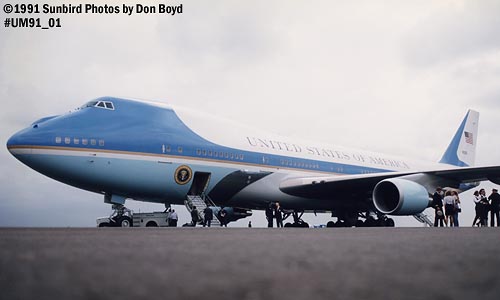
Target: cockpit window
99 104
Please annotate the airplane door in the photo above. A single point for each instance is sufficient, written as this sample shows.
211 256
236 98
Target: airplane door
200 183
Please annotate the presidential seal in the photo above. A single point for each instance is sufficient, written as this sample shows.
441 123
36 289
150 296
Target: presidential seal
183 174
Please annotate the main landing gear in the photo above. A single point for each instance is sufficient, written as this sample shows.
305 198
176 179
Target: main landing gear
297 220
370 220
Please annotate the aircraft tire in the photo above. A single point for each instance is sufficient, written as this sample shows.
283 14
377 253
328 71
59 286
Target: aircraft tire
330 224
125 222
360 223
151 224
389 222
289 225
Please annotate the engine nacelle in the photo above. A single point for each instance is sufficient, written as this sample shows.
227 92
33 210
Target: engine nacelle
233 213
397 196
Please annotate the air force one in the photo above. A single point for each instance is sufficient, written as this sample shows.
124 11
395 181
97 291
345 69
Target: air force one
146 151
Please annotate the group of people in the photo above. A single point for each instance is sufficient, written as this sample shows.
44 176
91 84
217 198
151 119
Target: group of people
274 211
447 207
208 216
485 205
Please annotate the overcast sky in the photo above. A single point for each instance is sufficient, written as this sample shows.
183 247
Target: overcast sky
388 76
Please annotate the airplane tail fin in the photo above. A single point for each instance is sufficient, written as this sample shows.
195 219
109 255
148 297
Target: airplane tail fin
462 149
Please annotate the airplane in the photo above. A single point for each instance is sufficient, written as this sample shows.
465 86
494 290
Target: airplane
154 152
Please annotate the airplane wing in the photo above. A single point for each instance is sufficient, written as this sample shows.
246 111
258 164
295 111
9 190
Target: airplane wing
323 187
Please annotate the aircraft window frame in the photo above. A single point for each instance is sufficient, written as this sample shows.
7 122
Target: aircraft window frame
179 149
58 140
168 149
101 143
210 153
76 141
93 142
67 140
85 141
100 104
198 152
204 152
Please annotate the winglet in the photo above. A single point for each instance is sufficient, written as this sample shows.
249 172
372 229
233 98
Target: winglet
462 149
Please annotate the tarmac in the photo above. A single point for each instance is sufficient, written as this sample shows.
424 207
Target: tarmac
250 263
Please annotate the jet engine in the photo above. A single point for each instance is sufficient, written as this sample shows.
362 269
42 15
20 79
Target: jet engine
234 213
398 196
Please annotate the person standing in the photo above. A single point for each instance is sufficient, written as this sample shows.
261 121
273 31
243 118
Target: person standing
208 215
222 217
173 218
270 215
449 208
437 204
485 205
494 207
194 216
457 208
278 214
477 202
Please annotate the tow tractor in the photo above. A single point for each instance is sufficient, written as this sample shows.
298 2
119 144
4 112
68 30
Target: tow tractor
124 217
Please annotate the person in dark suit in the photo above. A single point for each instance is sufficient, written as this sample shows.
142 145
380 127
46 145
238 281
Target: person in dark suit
194 216
270 214
208 215
222 217
437 204
494 207
278 213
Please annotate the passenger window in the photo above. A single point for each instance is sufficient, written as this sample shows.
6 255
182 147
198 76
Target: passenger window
67 140
179 149
58 140
85 141
198 152
93 142
168 148
204 152
76 141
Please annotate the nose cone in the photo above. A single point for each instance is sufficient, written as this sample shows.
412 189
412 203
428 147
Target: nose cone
14 142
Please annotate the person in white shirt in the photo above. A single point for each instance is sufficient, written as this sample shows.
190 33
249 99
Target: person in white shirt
449 208
477 218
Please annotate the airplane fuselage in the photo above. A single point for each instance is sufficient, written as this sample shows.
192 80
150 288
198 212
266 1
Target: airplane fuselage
153 152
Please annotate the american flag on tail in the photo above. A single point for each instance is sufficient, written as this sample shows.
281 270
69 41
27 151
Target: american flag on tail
469 138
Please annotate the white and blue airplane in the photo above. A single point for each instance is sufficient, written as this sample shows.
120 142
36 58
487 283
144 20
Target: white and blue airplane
129 149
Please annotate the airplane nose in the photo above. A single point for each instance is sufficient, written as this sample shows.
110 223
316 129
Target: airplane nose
12 142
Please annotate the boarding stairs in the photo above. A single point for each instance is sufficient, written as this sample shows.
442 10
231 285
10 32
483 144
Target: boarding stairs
201 202
424 219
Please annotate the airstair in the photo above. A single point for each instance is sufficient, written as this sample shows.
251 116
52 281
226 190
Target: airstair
424 219
201 202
